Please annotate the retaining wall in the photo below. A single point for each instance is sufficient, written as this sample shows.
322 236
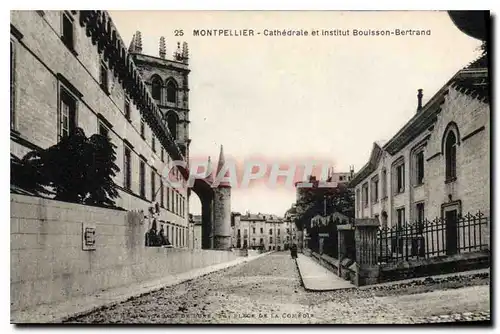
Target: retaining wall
49 265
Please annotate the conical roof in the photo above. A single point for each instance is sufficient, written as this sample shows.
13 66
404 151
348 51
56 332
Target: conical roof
220 165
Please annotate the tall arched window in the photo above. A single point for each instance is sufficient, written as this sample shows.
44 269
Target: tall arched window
172 124
171 91
156 86
451 156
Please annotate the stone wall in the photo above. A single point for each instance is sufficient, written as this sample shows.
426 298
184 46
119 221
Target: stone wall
43 65
471 189
434 266
49 265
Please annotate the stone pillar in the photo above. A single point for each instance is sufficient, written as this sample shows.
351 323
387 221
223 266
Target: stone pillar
366 251
222 218
342 231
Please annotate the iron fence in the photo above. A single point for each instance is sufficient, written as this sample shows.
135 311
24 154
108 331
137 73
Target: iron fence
330 246
330 242
444 236
313 242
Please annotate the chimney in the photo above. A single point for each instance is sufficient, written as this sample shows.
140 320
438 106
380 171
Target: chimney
419 97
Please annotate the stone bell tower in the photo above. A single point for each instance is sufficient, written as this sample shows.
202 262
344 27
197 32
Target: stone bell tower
221 235
167 80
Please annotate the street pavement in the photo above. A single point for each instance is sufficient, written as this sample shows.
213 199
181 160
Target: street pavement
269 290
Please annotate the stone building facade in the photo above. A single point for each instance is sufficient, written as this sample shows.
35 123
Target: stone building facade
334 177
439 162
265 231
63 77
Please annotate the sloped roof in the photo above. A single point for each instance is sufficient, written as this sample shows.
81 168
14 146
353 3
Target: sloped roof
370 166
474 80
381 143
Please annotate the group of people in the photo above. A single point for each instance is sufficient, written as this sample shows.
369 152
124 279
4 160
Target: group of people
156 239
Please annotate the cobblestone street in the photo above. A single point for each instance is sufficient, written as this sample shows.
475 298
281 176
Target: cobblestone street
268 290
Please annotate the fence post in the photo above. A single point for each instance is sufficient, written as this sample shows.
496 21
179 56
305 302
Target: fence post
366 250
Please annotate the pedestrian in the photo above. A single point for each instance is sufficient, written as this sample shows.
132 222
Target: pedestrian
293 251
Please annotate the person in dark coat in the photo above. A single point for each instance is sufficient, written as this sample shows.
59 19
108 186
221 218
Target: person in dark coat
161 237
293 251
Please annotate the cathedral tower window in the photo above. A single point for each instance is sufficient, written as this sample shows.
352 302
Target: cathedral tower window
172 124
156 86
171 92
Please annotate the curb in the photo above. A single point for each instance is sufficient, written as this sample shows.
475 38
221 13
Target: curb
399 282
100 304
300 275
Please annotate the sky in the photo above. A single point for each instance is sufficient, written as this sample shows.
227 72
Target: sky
297 98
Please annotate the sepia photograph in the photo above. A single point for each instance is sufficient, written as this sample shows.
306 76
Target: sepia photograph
250 167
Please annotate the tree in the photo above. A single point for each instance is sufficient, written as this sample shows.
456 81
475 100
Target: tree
323 201
27 173
66 164
100 185
78 169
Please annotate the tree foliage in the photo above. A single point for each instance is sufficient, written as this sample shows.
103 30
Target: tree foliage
100 184
323 201
77 169
27 173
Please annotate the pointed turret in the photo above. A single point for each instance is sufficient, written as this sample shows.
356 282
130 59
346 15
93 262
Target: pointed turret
131 46
220 165
222 208
210 176
136 43
163 48
178 52
185 52
222 160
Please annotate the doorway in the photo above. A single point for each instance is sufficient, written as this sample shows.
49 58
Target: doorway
451 217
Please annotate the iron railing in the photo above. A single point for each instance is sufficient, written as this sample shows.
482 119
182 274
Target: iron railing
430 238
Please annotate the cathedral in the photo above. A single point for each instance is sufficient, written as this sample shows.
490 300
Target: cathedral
70 69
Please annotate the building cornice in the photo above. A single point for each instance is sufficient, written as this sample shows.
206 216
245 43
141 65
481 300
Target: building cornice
103 33
168 64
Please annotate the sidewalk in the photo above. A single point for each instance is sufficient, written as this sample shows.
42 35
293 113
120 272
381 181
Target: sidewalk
315 277
57 313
